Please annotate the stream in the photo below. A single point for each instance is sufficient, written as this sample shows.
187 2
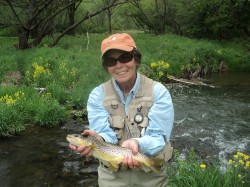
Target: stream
215 121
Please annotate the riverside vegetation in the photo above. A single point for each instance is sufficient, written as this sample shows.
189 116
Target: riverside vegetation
41 86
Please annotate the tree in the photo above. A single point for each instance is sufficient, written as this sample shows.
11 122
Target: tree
71 9
212 19
88 15
109 12
151 16
35 18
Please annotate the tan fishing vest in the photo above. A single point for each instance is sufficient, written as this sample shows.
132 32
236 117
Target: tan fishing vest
126 127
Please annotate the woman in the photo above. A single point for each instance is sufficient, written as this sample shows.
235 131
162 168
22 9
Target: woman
130 110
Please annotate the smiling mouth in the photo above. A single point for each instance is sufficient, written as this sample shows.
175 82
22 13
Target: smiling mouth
121 73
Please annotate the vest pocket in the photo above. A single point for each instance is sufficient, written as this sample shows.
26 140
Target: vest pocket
117 124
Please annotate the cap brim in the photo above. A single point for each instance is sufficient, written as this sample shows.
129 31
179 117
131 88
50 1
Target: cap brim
122 48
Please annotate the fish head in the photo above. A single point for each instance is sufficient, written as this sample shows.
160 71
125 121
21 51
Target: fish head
78 140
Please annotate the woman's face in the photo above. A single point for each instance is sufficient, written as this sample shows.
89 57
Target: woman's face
123 73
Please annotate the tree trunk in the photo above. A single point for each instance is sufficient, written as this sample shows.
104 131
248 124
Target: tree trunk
32 20
71 14
23 36
109 13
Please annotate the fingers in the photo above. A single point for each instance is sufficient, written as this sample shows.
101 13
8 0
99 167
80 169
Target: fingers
86 132
71 146
84 151
92 133
128 161
134 146
131 144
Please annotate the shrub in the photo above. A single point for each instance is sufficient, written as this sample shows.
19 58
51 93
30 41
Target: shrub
204 61
156 70
191 171
18 109
49 112
11 120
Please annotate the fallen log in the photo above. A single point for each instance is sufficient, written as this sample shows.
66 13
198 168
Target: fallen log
190 82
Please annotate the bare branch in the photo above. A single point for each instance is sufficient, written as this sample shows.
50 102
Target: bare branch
15 14
87 16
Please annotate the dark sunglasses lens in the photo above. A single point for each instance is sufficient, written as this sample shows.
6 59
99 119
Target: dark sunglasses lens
125 58
110 62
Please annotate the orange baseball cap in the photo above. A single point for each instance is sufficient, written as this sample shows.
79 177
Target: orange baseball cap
121 41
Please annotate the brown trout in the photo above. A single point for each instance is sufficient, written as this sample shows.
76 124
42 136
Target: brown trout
112 153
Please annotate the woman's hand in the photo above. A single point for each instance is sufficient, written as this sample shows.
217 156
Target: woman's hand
128 161
84 150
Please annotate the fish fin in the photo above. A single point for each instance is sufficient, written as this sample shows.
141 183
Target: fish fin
156 164
156 169
114 166
153 163
156 161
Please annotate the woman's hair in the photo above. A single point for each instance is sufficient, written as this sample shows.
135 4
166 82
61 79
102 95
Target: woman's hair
137 56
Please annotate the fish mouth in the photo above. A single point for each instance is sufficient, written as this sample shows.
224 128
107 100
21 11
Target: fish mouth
73 137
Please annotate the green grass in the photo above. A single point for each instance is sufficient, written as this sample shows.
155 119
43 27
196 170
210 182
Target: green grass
72 69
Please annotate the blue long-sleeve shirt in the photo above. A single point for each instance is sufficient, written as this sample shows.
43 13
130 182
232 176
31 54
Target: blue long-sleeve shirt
161 117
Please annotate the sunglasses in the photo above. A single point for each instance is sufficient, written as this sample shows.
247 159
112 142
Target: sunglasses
124 58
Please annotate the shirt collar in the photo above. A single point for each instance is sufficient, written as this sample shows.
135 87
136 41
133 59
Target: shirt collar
135 88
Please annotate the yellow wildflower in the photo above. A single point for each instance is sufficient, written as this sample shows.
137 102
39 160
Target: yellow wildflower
241 162
247 163
203 166
161 74
73 72
153 65
166 65
236 156
239 175
62 65
38 70
18 94
240 154
246 157
161 62
7 99
230 161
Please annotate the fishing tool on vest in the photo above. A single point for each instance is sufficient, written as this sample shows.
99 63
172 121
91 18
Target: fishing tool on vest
138 116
